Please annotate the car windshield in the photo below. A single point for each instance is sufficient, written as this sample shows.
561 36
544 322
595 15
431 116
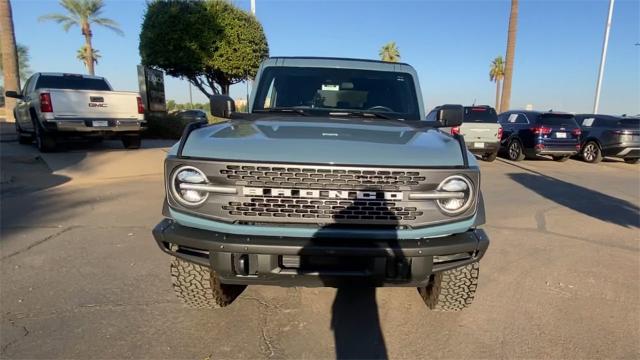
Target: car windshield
480 115
72 82
338 90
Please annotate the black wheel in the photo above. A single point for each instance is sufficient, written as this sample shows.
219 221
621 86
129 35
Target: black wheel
200 288
451 290
561 158
591 152
24 138
45 142
490 157
632 160
131 141
514 151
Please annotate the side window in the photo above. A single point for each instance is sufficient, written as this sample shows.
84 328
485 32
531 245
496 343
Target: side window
502 118
522 119
431 116
26 85
512 118
588 122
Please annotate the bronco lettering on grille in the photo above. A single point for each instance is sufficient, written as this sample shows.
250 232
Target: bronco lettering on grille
322 194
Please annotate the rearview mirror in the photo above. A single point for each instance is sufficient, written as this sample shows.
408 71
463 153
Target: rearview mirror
449 115
222 106
13 94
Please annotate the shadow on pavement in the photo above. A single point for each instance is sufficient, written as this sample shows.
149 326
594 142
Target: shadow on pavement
581 199
355 321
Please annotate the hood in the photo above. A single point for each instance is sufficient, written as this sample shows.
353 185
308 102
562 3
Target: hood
323 140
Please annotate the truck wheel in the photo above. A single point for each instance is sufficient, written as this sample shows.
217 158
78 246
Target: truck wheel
200 288
131 141
490 157
632 160
44 141
591 152
562 158
514 151
23 138
451 290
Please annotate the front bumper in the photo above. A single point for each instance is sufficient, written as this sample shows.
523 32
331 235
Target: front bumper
290 261
86 126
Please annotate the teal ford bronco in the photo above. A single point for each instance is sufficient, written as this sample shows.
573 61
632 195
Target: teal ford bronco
335 177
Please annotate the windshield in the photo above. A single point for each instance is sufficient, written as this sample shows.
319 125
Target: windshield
336 90
480 115
71 82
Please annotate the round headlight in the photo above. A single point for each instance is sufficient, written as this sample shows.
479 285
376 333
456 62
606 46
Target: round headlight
463 190
184 186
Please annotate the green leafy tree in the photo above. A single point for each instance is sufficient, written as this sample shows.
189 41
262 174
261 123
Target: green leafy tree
171 105
211 43
83 13
496 73
389 52
83 55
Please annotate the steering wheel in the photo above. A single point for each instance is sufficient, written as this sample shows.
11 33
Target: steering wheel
379 107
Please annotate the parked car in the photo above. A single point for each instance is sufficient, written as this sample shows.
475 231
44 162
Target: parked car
52 107
532 133
606 135
192 115
481 131
332 178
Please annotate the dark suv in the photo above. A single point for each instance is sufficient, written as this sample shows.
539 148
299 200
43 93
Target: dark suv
605 135
532 133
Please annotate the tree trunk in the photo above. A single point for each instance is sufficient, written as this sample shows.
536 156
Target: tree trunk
86 31
9 56
511 50
498 95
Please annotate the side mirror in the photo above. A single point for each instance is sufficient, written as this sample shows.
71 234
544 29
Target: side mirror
449 115
222 106
13 94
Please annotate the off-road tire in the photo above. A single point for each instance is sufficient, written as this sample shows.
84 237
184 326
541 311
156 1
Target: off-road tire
632 160
591 152
515 152
490 156
200 288
451 290
561 158
131 141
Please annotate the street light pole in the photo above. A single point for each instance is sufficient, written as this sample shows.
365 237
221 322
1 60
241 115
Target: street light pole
190 97
253 7
603 59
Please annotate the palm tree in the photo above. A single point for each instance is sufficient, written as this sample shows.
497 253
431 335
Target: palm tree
389 52
511 51
496 73
23 61
10 68
83 55
83 13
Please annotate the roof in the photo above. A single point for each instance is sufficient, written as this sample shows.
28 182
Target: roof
335 62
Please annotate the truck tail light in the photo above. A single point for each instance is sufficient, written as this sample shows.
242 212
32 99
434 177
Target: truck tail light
500 133
576 132
455 130
140 105
541 130
45 103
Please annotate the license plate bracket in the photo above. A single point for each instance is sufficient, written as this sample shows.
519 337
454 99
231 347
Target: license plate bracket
100 123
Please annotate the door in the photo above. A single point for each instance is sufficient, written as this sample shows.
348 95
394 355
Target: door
23 117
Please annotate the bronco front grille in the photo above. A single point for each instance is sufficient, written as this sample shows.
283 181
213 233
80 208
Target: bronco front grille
321 178
338 210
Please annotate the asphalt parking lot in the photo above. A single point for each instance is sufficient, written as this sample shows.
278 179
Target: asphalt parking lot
81 277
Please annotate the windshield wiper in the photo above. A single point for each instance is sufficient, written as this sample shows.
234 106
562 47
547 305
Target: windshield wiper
283 110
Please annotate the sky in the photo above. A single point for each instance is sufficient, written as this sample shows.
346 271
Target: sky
450 43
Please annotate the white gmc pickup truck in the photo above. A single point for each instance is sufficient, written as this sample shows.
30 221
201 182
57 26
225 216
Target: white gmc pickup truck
55 106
